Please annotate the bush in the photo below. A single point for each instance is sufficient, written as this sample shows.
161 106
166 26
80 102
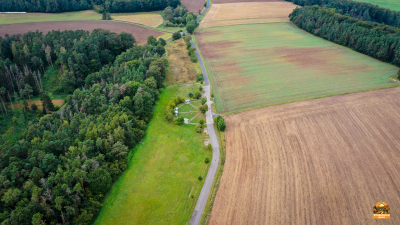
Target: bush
179 121
221 123
162 41
190 95
34 107
199 77
188 39
176 36
203 101
200 178
193 57
207 160
190 28
198 128
200 88
398 75
191 51
181 25
56 108
203 108
209 146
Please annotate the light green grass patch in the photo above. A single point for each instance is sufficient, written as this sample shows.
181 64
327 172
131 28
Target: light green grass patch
389 4
162 175
196 103
47 17
187 108
280 63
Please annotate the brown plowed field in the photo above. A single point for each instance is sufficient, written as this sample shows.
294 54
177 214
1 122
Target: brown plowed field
248 10
194 5
322 161
234 1
140 33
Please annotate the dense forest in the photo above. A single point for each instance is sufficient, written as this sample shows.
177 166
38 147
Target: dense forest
25 58
359 10
112 6
379 41
64 164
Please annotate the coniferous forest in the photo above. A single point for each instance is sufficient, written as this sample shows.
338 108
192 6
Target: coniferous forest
64 163
112 6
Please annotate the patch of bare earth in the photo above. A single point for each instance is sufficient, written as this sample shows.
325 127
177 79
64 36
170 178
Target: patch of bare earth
57 102
322 161
140 33
181 68
249 10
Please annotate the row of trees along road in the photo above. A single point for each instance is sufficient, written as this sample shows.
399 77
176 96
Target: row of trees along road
56 6
65 164
357 9
376 40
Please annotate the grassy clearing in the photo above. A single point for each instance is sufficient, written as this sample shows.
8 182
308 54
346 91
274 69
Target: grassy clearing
162 175
389 4
46 17
151 19
280 63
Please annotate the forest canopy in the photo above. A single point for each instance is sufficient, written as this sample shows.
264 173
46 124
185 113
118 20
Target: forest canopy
57 6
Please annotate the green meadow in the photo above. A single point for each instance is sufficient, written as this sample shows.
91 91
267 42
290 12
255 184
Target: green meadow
389 4
46 17
265 64
160 185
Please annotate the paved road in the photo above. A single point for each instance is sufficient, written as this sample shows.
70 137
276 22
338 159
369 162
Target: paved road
205 191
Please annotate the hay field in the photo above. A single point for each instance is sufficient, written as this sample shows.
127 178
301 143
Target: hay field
148 18
248 10
264 64
389 4
140 33
181 69
322 161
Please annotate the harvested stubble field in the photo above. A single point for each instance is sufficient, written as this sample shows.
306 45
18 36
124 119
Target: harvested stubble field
140 33
322 161
194 6
220 13
151 19
235 1
265 64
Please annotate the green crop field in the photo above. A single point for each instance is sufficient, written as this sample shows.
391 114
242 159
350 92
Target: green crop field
264 64
162 175
389 4
46 17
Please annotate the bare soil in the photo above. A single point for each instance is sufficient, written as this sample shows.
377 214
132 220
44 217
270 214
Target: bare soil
249 10
57 102
140 33
322 161
194 6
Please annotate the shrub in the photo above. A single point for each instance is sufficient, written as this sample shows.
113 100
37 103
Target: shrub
181 25
179 121
193 57
34 107
398 75
190 95
221 124
200 178
162 41
201 122
200 88
176 36
209 146
207 160
203 108
198 128
199 77
203 101
190 28
191 51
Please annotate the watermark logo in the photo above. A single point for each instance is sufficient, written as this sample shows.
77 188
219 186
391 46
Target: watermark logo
381 211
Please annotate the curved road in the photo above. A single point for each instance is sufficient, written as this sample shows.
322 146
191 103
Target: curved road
205 191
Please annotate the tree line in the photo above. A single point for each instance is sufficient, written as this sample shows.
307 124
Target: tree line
61 169
359 10
112 6
381 42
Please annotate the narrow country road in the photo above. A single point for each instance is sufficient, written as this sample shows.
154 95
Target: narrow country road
205 191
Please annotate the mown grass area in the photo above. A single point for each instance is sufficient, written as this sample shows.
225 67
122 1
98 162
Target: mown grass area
389 4
187 108
151 19
280 63
160 185
46 17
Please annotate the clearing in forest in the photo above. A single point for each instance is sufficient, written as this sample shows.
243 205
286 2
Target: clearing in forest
160 185
181 69
140 33
12 18
322 161
151 19
57 102
194 6
264 64
389 4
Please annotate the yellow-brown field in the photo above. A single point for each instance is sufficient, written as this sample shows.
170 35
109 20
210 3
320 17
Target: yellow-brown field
148 19
322 161
242 21
248 10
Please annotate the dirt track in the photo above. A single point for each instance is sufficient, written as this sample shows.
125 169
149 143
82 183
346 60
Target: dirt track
140 33
322 161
